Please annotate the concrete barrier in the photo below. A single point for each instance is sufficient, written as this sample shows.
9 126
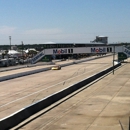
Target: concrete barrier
21 115
24 66
8 77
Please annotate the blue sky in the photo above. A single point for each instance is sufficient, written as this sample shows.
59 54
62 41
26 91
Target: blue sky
63 21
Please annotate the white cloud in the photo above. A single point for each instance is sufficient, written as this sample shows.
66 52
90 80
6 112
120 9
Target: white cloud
52 31
36 36
6 30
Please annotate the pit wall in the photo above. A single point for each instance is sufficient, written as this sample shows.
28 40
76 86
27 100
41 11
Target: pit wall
12 76
21 115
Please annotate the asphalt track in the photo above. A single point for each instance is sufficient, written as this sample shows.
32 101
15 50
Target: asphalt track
105 105
21 92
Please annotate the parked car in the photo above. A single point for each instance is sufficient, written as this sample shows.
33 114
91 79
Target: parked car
4 63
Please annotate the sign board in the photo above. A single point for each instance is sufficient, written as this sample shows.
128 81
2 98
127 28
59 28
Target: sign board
121 56
75 50
46 58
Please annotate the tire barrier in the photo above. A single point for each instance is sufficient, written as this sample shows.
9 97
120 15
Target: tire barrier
19 116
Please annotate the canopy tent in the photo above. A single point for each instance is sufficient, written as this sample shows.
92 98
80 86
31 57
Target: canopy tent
13 52
31 49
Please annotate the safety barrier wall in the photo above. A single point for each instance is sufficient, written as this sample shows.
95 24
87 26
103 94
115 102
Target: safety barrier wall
21 115
83 60
23 74
8 77
25 66
79 61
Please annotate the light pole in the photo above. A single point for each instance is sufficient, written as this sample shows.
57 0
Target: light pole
22 50
113 57
10 41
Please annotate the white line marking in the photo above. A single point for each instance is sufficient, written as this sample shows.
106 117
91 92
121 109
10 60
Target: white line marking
48 87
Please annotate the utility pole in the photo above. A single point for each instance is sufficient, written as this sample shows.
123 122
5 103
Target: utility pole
113 57
10 41
22 49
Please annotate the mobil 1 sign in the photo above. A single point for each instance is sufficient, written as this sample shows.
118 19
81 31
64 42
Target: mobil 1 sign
121 56
98 50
